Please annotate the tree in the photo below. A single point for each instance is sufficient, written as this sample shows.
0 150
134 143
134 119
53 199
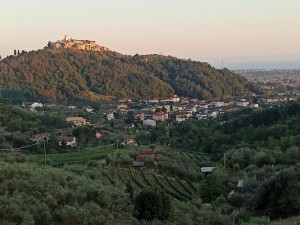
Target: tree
15 52
118 115
152 203
84 133
158 132
280 195
142 138
130 117
236 200
214 185
164 109
129 189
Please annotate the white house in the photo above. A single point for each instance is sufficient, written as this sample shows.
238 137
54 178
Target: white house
203 106
176 98
110 116
149 122
180 119
88 109
36 104
242 104
217 104
68 139
254 105
202 117
32 105
214 114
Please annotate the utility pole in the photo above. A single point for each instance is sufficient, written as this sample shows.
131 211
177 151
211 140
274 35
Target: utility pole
45 156
224 160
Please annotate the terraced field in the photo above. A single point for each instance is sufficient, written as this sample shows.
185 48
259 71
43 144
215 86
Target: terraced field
179 189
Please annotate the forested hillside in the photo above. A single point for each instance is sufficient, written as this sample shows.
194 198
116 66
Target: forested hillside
72 74
196 79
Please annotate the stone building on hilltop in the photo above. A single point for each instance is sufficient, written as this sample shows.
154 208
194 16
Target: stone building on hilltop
69 43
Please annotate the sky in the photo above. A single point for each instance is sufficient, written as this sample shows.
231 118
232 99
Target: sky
244 34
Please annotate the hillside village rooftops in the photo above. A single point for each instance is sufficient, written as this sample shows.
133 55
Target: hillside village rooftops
78 121
76 44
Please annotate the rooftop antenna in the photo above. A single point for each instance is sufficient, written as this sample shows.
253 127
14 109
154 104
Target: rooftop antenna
222 64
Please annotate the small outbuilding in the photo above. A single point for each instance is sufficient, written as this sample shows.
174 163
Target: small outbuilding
207 170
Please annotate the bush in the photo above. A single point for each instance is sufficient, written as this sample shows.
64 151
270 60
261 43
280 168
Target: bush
236 200
152 203
256 221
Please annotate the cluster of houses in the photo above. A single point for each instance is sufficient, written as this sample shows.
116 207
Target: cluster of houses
150 112
153 111
64 138
140 158
182 109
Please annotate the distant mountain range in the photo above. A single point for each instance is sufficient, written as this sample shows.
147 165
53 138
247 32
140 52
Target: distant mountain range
51 75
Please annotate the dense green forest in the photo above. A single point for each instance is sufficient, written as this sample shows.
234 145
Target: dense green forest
70 74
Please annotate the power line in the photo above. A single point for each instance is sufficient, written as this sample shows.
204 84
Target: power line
195 152
11 149
29 145
8 149
56 147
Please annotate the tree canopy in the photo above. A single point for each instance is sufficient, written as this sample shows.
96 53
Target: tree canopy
68 74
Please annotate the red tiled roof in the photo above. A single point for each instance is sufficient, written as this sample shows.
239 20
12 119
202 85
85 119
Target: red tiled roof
147 152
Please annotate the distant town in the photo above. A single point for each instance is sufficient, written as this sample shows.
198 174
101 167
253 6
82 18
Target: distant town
70 43
284 83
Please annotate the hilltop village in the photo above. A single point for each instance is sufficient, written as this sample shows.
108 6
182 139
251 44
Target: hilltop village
70 43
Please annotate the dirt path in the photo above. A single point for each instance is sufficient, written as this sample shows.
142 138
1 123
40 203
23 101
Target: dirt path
233 216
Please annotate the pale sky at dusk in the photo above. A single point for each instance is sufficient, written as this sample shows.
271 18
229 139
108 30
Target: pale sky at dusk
244 33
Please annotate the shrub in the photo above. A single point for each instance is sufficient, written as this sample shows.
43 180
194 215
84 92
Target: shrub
152 203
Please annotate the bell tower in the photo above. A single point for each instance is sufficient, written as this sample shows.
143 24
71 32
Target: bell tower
66 38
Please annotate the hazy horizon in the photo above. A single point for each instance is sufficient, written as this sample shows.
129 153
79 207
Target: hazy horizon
243 34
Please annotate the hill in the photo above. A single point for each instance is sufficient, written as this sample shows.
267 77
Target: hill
75 74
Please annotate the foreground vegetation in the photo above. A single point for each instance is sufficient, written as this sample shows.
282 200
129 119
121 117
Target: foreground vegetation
94 183
80 194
